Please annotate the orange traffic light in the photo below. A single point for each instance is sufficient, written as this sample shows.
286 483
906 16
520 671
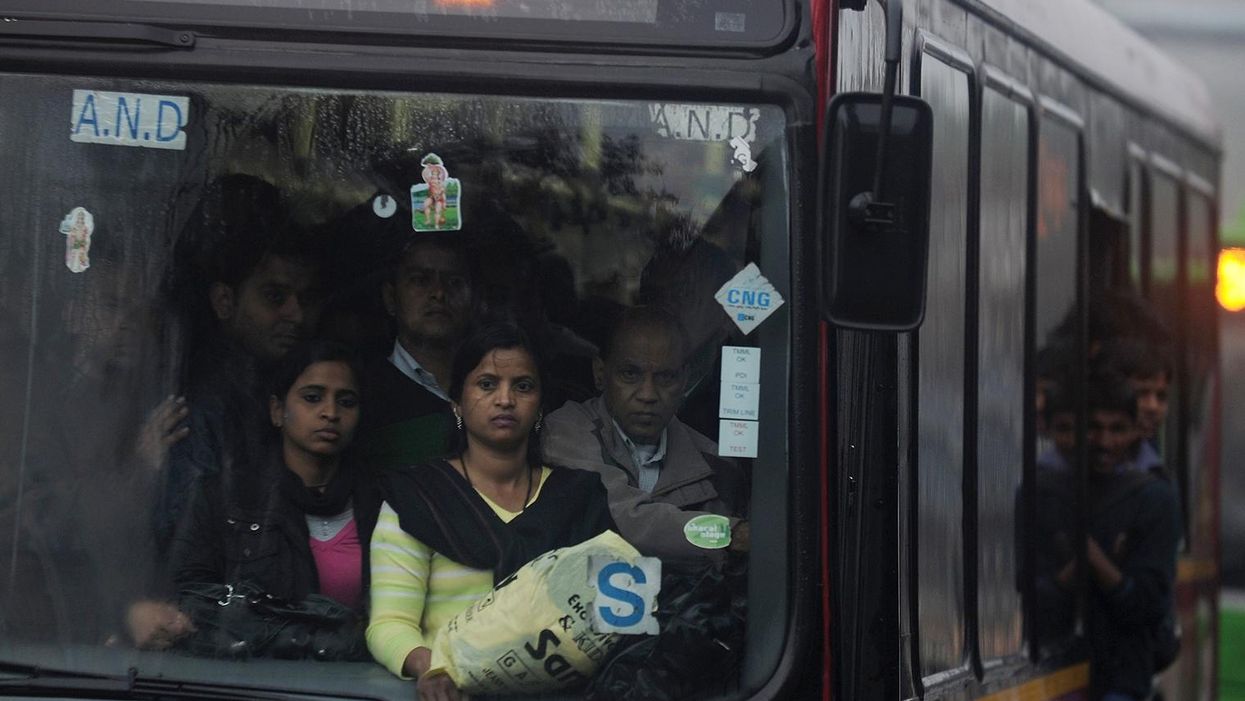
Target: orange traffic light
1230 289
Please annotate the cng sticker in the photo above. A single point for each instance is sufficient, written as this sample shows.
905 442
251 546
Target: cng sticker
748 298
626 594
708 531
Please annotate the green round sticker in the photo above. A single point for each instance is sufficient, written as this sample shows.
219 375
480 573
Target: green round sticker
710 531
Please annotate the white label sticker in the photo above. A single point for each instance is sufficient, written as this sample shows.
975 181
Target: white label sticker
741 364
384 206
704 122
743 154
626 594
737 439
129 119
730 21
740 400
748 298
77 226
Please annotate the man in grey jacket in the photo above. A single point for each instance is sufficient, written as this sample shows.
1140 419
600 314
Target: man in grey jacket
663 478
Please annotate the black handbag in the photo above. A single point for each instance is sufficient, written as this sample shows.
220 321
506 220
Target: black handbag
239 621
701 611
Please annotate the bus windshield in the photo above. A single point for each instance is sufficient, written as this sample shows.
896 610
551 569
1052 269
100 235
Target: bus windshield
166 256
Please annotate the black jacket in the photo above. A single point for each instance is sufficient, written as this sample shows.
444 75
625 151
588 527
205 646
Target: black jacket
1135 519
228 413
405 424
241 527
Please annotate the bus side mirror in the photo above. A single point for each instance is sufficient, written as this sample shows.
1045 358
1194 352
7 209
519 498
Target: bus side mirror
875 230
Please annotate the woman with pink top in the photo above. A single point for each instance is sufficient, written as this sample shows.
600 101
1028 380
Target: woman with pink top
299 525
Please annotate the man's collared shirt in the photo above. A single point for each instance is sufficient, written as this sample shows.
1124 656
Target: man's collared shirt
410 367
1145 459
647 458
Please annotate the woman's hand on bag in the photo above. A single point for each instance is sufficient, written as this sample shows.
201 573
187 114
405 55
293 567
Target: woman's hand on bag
438 687
155 625
417 662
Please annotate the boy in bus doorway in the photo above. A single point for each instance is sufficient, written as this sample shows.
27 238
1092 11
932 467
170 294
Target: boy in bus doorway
660 474
1149 374
1134 532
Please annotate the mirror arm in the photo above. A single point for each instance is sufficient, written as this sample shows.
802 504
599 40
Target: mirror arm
870 210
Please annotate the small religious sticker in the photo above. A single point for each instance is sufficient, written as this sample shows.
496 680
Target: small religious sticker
77 227
436 203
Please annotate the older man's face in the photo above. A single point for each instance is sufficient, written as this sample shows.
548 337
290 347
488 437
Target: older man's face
642 382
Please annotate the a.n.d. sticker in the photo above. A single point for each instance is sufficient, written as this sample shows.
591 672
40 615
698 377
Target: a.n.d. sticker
77 226
626 594
748 298
436 203
129 119
704 122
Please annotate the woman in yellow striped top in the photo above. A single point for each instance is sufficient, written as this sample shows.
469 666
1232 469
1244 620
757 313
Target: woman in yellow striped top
451 528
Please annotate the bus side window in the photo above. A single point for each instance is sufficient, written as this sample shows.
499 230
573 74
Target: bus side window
938 380
1002 274
1137 238
1048 510
1164 297
1200 370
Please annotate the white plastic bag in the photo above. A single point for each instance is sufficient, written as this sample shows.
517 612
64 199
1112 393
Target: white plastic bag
533 632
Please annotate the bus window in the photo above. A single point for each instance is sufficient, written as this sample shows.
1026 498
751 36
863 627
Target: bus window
1137 225
1057 217
186 236
939 373
1164 292
1005 130
1049 515
1200 367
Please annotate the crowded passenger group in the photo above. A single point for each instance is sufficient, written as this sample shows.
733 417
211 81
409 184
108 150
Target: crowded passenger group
379 425
1132 513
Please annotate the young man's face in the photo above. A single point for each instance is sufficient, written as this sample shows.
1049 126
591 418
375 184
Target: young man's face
1062 431
1113 438
274 308
1151 394
430 297
642 382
